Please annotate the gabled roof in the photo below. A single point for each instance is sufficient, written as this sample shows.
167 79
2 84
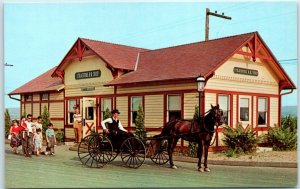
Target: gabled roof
114 55
186 62
118 56
182 62
43 82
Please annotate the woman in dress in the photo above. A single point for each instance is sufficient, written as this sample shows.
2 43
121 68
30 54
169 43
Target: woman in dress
15 140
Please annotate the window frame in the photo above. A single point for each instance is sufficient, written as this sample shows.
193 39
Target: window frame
71 110
248 109
102 111
27 99
132 112
173 112
265 112
42 95
227 110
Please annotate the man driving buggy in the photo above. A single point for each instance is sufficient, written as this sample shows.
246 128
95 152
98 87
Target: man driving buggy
113 128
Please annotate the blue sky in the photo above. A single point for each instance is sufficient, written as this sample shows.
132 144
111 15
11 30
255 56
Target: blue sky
37 36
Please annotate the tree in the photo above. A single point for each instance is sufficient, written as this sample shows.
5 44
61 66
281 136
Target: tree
140 131
46 118
7 121
107 114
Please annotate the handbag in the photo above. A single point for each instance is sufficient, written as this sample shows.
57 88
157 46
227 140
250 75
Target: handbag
9 137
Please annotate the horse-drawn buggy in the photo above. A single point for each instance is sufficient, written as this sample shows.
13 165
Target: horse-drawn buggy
96 150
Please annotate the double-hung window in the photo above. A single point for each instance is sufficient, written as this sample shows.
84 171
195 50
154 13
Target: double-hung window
71 110
262 111
105 106
224 103
244 109
136 101
173 107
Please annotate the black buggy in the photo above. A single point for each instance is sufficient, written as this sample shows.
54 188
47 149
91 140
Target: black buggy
96 150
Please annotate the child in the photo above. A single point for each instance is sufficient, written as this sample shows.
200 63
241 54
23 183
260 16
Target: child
14 131
50 138
38 137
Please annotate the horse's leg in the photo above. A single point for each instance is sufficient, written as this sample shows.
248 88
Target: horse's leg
171 146
200 153
206 146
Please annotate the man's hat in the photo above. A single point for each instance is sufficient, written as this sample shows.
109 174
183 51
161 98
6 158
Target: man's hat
115 111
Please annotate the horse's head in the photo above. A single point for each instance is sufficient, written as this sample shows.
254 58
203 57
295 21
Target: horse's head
217 114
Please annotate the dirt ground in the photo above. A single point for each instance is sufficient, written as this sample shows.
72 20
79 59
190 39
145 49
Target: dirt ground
267 156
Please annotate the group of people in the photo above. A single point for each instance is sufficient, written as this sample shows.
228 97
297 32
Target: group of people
29 134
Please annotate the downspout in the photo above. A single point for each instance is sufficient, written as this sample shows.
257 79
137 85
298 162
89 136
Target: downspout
13 98
286 93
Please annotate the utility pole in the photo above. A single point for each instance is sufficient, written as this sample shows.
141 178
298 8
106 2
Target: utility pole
207 20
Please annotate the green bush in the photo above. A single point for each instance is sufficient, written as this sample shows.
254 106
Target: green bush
240 140
59 137
284 137
7 122
140 131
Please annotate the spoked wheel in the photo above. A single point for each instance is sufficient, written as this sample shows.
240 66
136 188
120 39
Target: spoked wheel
133 152
101 149
158 151
84 154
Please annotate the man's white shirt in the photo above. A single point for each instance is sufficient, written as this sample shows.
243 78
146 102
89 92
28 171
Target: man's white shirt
110 120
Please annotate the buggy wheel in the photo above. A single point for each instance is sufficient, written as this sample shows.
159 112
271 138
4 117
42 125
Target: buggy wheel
83 152
101 149
133 152
158 152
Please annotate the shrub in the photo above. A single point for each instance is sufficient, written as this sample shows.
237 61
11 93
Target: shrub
45 118
139 123
7 122
59 137
284 137
107 114
240 140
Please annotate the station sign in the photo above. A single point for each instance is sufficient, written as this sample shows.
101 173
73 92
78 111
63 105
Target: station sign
245 71
87 74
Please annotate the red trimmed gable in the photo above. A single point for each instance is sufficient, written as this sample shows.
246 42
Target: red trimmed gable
41 83
114 55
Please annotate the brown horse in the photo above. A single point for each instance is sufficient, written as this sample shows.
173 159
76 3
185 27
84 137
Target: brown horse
198 130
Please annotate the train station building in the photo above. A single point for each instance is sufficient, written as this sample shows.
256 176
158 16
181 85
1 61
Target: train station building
241 75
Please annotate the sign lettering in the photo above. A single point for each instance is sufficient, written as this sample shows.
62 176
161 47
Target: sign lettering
87 74
245 71
87 88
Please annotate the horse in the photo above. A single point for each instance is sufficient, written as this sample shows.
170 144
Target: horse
199 130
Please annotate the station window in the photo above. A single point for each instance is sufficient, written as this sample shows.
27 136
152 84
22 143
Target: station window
262 111
136 101
173 107
244 109
106 104
28 97
71 110
224 102
45 96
